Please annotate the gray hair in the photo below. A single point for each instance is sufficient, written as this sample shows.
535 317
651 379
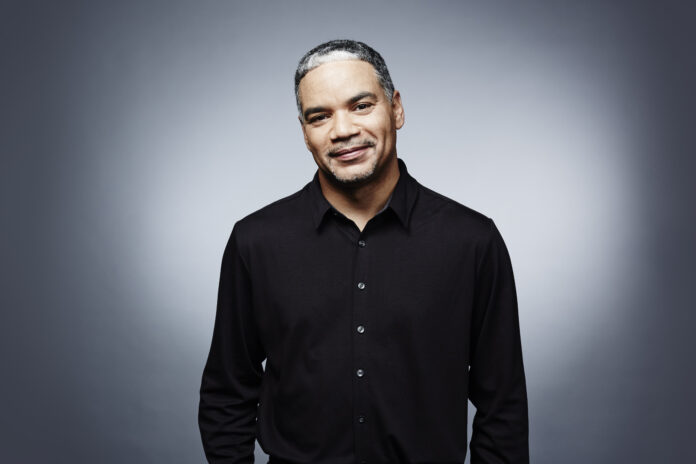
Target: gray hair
335 50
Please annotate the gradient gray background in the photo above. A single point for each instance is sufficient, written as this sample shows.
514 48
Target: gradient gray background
134 135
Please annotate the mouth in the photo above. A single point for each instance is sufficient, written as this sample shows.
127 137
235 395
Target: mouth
350 153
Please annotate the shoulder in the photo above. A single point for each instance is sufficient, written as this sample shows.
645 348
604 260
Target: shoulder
272 220
454 217
459 227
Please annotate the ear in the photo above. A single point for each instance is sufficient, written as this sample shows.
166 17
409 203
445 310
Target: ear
397 110
304 132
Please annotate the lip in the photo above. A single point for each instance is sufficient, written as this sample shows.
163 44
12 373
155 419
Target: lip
351 153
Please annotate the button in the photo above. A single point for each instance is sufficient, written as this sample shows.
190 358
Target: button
360 372
361 243
361 285
361 419
360 329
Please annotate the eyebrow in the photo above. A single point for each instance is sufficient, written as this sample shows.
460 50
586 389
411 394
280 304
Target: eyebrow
360 96
351 100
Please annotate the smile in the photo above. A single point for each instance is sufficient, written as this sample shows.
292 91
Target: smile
350 153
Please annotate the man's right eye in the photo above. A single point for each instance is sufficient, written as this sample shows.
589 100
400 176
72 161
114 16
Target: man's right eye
317 118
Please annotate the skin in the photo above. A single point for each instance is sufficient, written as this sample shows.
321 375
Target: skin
346 112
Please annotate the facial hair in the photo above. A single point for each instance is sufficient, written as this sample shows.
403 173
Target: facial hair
354 179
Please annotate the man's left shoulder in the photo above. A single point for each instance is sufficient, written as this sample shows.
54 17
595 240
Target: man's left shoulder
440 210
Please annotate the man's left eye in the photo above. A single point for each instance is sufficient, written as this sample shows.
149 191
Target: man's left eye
362 106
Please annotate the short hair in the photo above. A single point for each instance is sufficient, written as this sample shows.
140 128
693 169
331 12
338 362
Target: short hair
342 49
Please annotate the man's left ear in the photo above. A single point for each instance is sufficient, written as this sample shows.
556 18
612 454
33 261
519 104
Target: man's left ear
397 110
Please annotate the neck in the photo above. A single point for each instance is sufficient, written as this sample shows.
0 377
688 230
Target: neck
360 203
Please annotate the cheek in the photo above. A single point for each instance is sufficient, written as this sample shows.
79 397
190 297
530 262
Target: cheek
380 126
315 140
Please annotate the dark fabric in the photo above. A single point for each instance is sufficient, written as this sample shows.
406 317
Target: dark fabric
435 324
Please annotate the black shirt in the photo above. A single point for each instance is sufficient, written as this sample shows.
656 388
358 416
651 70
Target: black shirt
373 340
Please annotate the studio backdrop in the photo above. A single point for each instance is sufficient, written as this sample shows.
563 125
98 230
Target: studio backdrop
135 134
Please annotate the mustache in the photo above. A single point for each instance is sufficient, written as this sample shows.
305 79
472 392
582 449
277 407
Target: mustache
362 143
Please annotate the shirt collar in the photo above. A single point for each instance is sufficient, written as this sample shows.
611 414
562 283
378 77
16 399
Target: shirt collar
401 201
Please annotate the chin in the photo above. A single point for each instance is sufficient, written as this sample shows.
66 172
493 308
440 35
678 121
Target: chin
353 178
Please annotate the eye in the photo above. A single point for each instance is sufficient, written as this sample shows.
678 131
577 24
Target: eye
317 118
362 106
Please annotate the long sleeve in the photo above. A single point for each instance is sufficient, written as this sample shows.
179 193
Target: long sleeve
497 385
231 380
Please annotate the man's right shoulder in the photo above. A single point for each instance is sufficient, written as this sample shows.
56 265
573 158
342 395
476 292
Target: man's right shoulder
274 220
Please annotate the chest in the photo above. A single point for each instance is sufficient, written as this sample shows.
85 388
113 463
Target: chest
400 283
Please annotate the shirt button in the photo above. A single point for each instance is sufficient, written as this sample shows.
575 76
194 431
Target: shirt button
360 372
360 329
361 285
361 419
361 243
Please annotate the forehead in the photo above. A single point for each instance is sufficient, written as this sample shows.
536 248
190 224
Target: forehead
337 81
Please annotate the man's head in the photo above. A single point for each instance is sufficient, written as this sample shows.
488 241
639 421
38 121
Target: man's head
349 111
336 50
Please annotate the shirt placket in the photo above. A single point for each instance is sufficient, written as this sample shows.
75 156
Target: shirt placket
360 334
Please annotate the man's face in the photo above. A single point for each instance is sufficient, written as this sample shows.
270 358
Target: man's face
349 125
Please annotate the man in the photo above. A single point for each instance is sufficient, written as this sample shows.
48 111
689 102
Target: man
380 306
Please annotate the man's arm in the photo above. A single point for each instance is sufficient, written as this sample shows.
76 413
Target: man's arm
233 372
497 386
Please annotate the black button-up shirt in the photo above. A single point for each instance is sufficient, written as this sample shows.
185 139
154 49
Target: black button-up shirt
373 340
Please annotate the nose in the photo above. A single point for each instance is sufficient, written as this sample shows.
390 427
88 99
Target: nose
343 126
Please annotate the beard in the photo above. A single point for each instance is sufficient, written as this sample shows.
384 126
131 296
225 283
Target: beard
354 179
337 176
